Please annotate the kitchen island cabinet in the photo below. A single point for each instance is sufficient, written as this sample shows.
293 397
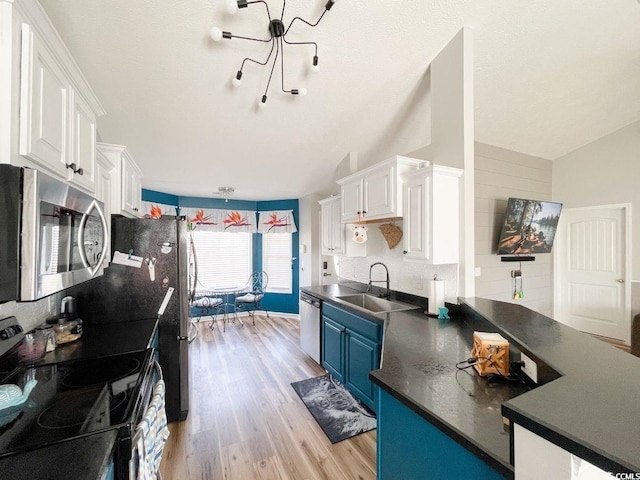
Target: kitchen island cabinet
427 409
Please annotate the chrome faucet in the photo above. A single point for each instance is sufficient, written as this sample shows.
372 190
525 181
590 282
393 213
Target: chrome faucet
387 295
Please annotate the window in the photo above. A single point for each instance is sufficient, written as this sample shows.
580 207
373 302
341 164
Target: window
276 262
224 259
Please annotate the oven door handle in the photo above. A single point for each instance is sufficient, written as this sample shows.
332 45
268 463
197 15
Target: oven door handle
156 365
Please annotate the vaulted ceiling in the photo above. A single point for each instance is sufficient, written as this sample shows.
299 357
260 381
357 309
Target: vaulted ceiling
550 77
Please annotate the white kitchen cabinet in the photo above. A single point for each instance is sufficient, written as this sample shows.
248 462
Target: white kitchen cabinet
375 193
431 219
333 231
126 180
56 121
83 146
103 176
44 106
131 186
336 237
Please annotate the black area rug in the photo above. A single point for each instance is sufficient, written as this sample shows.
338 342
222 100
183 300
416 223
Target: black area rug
337 411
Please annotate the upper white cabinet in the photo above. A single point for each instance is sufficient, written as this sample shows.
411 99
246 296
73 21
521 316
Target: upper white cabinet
131 186
376 192
432 214
333 231
126 180
104 189
336 237
44 106
50 120
83 146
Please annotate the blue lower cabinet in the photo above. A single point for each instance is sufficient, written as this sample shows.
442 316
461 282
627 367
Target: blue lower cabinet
411 448
333 348
362 357
350 350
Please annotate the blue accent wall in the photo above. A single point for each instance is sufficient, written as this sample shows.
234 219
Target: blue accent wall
280 302
159 197
277 302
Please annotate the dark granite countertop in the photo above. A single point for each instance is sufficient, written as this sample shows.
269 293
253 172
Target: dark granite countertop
592 410
584 406
85 458
100 340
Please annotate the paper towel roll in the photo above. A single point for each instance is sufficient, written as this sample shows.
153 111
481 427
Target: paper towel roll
435 294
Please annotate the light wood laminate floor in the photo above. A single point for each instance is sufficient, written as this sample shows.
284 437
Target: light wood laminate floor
246 422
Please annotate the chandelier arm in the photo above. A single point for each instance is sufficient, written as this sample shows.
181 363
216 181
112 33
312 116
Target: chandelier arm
303 43
250 38
282 70
284 5
273 66
265 6
303 20
256 61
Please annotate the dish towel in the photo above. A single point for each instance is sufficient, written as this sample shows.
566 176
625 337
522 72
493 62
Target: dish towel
152 433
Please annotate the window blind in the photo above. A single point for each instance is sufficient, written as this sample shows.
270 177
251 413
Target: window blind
224 259
276 262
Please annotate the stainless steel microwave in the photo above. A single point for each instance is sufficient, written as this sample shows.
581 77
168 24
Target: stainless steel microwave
52 236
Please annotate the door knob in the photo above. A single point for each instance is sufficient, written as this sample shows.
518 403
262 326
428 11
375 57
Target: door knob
620 280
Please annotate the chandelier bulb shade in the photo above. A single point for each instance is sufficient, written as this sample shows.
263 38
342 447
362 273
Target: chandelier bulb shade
263 102
277 31
216 34
232 6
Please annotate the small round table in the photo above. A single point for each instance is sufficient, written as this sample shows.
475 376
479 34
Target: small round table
228 294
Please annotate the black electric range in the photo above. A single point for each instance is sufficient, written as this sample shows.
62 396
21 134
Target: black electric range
73 399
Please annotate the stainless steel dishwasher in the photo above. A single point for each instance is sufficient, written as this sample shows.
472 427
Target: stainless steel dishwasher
310 325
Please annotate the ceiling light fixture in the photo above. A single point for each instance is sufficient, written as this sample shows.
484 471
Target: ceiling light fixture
277 38
226 192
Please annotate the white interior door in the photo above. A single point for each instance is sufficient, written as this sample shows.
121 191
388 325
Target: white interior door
591 273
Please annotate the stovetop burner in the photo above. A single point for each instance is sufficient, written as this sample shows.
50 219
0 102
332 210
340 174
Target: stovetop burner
100 371
83 408
73 399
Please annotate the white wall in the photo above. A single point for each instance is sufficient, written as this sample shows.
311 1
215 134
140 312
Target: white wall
606 171
405 276
309 235
500 174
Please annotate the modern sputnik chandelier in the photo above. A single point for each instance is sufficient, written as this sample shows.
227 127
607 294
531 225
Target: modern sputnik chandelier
277 38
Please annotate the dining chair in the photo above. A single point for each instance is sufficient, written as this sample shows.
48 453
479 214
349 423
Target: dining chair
250 301
208 306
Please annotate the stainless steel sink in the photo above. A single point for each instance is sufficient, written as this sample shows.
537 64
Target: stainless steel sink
375 304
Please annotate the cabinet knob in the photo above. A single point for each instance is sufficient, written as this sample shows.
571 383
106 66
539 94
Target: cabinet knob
135 209
74 168
405 252
364 212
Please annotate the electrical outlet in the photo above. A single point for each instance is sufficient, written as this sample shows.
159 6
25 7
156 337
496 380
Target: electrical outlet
530 369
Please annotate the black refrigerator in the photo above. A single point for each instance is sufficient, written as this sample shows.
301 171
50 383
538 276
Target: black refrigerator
126 293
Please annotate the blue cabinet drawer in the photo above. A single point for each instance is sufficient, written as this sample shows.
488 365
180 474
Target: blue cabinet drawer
364 327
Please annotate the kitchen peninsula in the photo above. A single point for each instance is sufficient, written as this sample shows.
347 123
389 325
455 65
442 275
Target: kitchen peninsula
435 421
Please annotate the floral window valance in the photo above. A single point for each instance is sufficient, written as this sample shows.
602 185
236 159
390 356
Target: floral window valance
220 220
156 210
277 221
